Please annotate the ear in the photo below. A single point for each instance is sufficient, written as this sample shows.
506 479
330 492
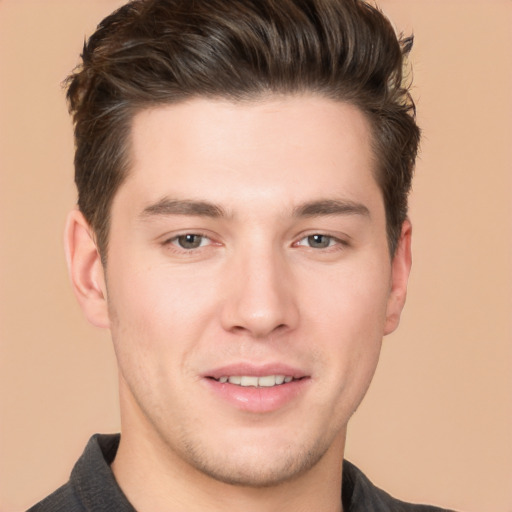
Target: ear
400 269
86 269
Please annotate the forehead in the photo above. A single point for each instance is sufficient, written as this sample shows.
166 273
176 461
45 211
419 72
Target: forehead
287 148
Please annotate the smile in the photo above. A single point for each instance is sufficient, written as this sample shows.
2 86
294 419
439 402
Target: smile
265 381
257 389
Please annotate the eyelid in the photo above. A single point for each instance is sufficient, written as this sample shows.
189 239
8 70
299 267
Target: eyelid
337 239
172 241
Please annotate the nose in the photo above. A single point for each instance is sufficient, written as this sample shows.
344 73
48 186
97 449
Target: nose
260 300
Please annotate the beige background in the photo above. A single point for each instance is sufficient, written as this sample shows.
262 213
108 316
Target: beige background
436 425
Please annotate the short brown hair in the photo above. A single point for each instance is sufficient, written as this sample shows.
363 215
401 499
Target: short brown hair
153 52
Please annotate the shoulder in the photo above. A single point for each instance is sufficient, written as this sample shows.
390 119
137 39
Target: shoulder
359 494
92 486
63 499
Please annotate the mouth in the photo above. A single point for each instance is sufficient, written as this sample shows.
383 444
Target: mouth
257 388
264 381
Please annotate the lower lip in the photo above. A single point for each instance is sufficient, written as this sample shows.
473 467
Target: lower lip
258 400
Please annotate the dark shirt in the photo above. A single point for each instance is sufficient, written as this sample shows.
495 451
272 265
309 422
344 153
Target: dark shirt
93 488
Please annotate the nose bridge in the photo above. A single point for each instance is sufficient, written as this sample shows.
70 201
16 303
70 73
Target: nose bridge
261 298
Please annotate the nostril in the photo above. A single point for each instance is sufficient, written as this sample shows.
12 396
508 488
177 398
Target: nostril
258 333
238 329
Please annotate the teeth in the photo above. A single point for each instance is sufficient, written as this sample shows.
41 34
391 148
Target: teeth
266 381
249 381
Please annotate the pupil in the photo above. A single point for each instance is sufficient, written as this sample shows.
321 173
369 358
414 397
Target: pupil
189 241
319 241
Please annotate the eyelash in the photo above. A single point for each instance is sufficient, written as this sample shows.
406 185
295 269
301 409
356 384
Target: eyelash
334 243
175 241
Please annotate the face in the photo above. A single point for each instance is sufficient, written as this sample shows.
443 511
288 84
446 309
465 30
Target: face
248 283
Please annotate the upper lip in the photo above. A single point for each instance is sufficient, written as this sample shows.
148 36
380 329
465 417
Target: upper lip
251 369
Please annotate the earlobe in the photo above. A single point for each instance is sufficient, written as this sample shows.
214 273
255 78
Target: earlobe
400 269
86 269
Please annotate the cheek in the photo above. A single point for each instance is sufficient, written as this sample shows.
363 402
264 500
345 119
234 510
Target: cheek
353 299
156 297
348 325
157 315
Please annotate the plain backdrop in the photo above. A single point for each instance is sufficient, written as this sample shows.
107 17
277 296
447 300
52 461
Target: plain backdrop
436 424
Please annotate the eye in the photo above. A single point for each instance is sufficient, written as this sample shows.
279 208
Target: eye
318 241
190 241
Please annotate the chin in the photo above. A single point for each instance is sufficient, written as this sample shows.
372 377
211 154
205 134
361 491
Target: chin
257 468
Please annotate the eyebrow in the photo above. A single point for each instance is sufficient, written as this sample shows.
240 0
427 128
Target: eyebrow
168 206
323 207
331 207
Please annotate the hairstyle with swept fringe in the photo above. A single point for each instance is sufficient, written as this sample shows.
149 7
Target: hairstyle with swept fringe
157 52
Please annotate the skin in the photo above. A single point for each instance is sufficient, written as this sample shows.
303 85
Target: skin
258 289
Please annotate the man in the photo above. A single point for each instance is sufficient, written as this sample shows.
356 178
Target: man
242 169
